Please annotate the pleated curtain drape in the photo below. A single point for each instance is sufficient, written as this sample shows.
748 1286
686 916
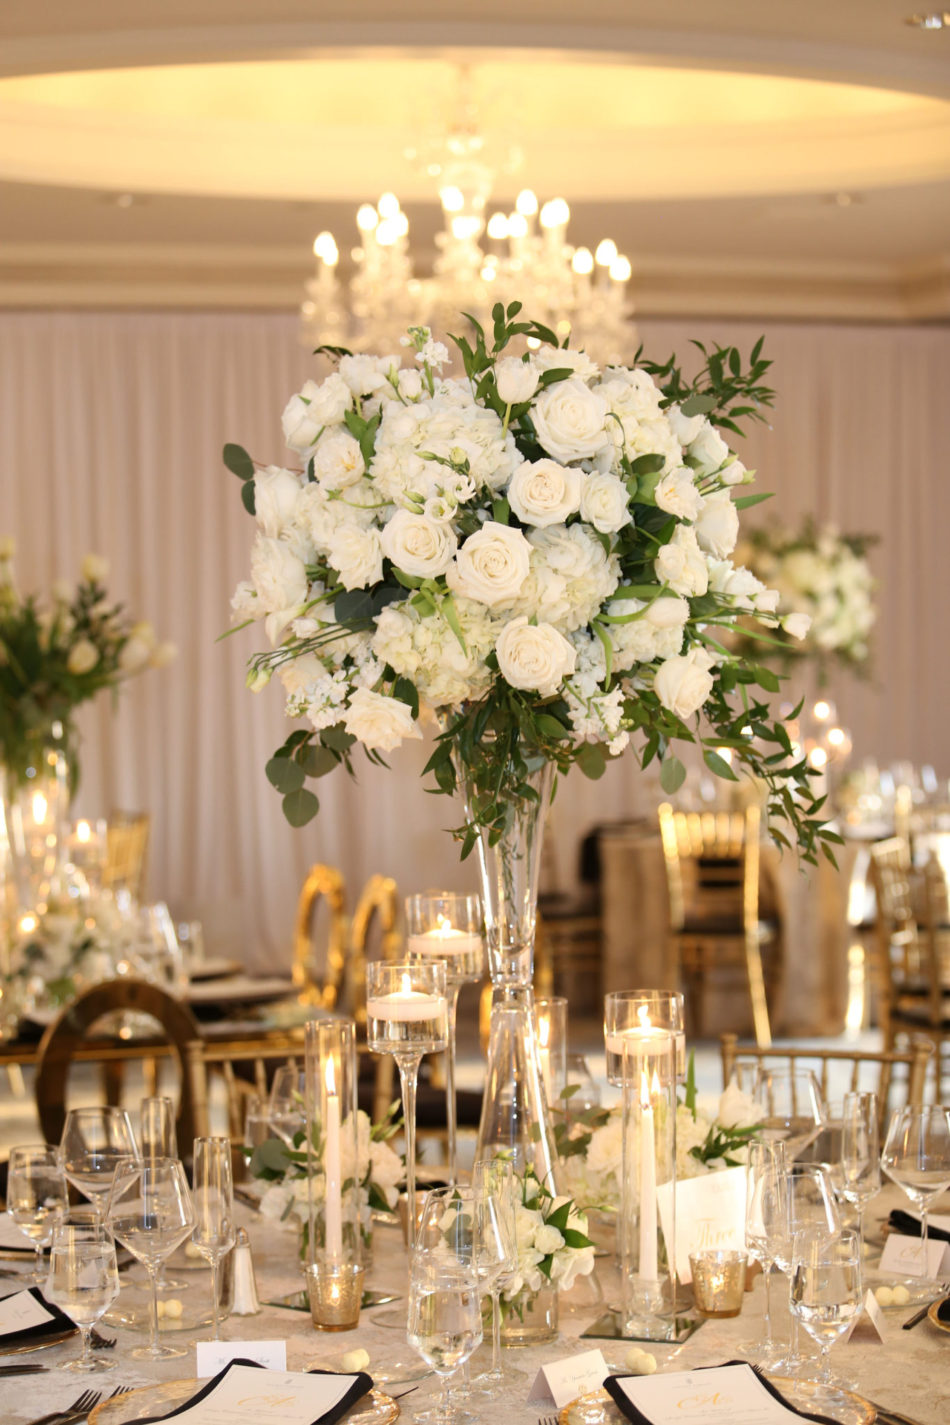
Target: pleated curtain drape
111 427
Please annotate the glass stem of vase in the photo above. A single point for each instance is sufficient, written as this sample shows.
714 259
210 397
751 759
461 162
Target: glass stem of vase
451 1110
409 1078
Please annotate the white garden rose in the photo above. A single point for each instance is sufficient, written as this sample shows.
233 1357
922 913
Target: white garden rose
681 564
560 358
83 657
380 723
666 612
491 565
684 682
534 657
516 380
365 375
717 526
685 428
419 546
338 461
94 569
677 494
275 499
709 449
569 419
279 577
605 503
316 406
356 555
542 492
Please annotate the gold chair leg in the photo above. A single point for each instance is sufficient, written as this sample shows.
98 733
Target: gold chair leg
15 1080
760 1008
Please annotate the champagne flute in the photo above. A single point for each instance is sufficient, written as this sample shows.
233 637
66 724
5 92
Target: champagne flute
150 1212
445 1321
495 1178
860 1153
93 1142
826 1293
37 1196
793 1110
214 1208
916 1156
766 1212
83 1282
286 1110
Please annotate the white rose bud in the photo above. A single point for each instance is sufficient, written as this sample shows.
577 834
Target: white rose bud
717 527
605 503
83 657
419 546
542 492
380 723
95 570
796 625
275 497
570 420
491 565
735 473
681 564
684 682
534 657
677 494
709 449
516 380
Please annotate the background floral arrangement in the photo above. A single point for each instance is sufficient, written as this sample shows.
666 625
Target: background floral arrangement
538 551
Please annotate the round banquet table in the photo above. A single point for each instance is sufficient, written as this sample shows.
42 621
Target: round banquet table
908 1372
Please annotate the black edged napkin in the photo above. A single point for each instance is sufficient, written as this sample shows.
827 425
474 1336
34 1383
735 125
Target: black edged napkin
361 1386
627 1408
943 1310
909 1226
57 1324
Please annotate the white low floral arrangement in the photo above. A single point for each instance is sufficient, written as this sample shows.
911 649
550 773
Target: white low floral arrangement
75 943
553 1246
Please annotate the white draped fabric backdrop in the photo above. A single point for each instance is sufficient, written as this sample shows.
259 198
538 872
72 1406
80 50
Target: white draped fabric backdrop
111 429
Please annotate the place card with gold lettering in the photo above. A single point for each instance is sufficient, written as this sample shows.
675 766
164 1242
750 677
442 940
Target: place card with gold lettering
734 1394
710 1215
904 1256
247 1394
560 1382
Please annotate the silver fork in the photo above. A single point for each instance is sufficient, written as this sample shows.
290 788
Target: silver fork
79 1408
547 1420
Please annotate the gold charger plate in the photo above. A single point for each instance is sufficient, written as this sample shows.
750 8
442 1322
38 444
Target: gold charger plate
57 1338
934 1319
598 1408
373 1409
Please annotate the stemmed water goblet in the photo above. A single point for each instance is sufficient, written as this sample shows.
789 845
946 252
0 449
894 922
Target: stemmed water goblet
94 1141
407 1016
83 1282
793 1110
37 1196
811 1209
286 1109
766 1213
213 1196
495 1178
826 1291
445 1322
150 1211
860 1169
916 1156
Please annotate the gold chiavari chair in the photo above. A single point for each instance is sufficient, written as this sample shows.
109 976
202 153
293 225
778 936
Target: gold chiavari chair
126 850
323 884
712 869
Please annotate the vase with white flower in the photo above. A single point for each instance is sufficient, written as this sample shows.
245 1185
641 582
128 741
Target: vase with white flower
553 1251
537 552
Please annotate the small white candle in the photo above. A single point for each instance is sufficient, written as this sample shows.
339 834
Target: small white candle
405 1006
648 1263
644 1041
444 941
334 1169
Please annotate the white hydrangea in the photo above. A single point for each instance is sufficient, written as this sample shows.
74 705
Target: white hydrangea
569 577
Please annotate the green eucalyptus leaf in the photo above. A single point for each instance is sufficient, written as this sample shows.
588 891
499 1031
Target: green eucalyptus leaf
238 461
285 774
672 774
300 807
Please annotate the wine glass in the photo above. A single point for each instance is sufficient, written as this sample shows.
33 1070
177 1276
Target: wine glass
407 1016
826 1292
495 1178
445 1321
792 1107
83 1282
916 1156
860 1153
150 1212
766 1213
93 1142
214 1208
811 1208
286 1110
37 1196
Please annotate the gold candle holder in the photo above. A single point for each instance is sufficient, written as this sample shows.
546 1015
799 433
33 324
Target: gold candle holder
336 1292
718 1281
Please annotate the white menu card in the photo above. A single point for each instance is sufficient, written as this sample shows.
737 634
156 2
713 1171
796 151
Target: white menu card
734 1395
248 1395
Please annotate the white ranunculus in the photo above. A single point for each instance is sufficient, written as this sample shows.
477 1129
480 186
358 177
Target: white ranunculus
681 564
709 449
677 494
491 565
685 428
280 579
356 556
419 546
684 682
316 406
275 498
380 723
534 656
569 419
717 526
83 657
94 569
797 625
338 461
542 492
605 503
516 380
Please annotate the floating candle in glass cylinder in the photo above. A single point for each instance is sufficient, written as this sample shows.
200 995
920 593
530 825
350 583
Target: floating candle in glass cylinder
642 1014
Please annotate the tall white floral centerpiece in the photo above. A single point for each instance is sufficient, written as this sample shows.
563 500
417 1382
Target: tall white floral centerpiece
536 552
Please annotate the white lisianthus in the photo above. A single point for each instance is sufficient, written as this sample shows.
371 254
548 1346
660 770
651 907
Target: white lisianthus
280 579
419 546
338 461
516 380
542 492
244 602
491 565
685 428
684 682
356 555
677 494
569 419
83 657
717 526
315 407
605 503
681 564
708 449
380 723
534 656
275 499
796 625
734 473
94 569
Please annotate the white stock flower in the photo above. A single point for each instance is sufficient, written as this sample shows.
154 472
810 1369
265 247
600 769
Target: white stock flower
542 492
338 461
491 565
380 723
677 494
796 625
684 682
681 564
419 546
313 408
275 499
94 569
605 503
356 555
516 380
708 449
717 527
83 657
569 420
534 657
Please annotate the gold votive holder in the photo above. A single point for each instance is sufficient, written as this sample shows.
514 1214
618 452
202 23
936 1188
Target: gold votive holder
718 1281
336 1291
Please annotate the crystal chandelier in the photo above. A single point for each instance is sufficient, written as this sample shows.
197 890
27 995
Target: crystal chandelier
520 256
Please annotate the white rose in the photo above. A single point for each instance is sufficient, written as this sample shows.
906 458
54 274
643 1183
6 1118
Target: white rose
380 723
275 497
548 1239
516 380
366 374
491 565
684 682
560 358
677 494
717 527
83 657
356 556
534 656
542 492
569 419
666 612
680 563
709 449
280 579
797 625
605 503
419 546
95 569
685 428
338 461
313 409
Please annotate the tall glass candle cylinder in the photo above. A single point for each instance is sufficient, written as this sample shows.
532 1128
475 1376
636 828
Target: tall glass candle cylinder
649 1168
332 1169
550 1017
642 1013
